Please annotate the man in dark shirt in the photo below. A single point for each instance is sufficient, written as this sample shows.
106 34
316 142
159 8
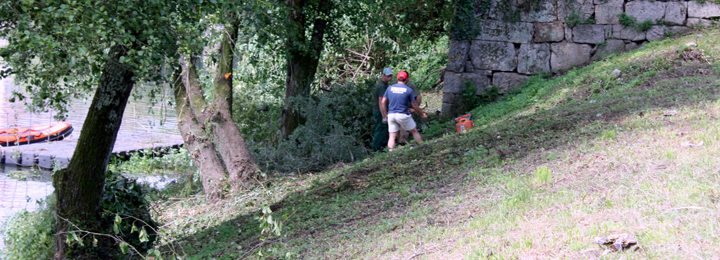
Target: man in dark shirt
394 106
380 137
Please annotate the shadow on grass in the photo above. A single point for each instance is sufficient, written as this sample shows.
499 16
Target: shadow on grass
354 203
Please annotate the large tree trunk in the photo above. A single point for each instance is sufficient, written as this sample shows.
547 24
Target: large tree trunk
235 158
79 187
302 58
230 143
196 140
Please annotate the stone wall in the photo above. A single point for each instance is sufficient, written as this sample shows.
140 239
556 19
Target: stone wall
506 54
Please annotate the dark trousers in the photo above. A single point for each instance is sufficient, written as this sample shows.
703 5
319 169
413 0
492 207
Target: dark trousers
381 136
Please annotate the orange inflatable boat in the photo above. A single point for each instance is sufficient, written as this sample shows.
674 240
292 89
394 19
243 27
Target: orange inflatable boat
52 131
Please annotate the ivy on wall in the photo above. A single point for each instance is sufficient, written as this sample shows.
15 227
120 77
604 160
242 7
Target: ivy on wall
464 26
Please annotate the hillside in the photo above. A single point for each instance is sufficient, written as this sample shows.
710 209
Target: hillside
544 172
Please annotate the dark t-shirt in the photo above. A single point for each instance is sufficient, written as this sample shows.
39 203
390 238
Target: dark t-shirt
377 93
399 97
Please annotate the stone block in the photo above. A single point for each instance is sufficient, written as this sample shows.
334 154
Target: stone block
608 31
618 3
589 33
568 33
703 10
644 10
657 32
61 162
611 46
486 55
492 30
45 161
534 58
452 108
507 82
457 55
469 67
627 33
549 32
698 22
674 30
585 8
631 46
567 55
28 159
455 82
544 13
675 13
607 14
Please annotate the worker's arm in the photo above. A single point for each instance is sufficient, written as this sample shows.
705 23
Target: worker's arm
383 106
418 99
418 110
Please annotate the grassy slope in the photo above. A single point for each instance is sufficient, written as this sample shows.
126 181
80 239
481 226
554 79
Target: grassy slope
619 153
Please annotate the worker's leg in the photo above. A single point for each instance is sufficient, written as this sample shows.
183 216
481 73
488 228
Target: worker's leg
416 135
380 137
391 140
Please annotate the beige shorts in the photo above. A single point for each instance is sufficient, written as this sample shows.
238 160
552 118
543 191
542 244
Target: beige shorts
396 121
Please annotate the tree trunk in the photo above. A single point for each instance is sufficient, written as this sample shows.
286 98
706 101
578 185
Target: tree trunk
195 137
302 58
194 114
230 143
79 187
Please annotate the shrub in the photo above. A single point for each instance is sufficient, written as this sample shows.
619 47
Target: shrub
626 20
124 198
644 26
338 128
29 235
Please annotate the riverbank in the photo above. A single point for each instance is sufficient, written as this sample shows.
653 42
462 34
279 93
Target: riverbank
544 172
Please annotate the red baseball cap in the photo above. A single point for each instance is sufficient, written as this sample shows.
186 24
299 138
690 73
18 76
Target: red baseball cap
402 75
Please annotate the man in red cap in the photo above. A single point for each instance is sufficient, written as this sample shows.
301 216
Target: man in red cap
394 106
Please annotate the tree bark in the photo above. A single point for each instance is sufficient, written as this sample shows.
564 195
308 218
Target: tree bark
230 143
302 58
195 137
201 124
79 187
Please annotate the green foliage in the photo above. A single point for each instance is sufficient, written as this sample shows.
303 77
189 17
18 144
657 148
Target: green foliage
644 26
476 155
423 59
630 21
469 98
24 175
575 18
484 6
29 235
338 128
464 26
152 162
57 49
437 128
608 135
627 20
543 175
125 213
